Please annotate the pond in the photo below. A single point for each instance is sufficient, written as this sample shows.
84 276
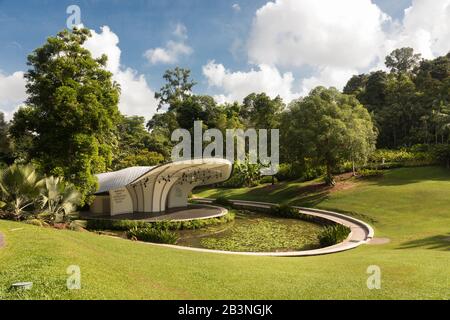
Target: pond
255 232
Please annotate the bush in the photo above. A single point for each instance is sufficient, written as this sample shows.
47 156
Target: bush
125 225
441 154
36 222
223 201
149 234
332 235
289 171
418 155
298 171
244 175
370 173
117 225
268 179
193 224
284 211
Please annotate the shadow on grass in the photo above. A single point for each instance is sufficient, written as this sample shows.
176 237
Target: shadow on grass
404 176
310 200
353 214
440 242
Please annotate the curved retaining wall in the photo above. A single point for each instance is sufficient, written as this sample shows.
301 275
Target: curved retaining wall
361 232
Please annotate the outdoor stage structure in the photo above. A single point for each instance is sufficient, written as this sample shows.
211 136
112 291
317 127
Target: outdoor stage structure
155 189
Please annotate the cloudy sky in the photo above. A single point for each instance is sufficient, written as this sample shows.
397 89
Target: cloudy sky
281 47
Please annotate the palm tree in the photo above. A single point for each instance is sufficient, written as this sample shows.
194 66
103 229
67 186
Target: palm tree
58 199
19 189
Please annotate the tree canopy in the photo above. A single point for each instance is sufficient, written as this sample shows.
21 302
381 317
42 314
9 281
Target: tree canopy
72 110
329 128
410 105
5 143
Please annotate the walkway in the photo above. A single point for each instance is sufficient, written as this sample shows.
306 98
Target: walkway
193 212
361 232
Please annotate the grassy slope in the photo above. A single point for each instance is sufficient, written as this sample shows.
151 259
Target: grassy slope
409 206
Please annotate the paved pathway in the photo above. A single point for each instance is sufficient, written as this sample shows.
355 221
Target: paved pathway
361 232
193 212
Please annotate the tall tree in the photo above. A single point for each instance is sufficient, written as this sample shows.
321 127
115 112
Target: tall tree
402 60
261 111
5 143
178 86
71 112
134 145
356 85
330 128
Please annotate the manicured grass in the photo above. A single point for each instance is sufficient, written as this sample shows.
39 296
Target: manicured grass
409 206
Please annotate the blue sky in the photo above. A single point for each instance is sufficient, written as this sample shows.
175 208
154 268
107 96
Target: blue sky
216 31
140 24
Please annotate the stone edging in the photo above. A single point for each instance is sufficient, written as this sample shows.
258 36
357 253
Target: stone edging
361 233
223 212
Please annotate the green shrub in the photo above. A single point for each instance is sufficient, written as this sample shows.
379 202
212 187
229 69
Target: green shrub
193 224
370 173
125 225
333 234
244 174
36 222
418 155
269 179
149 234
284 211
78 225
297 171
118 225
289 171
223 201
441 154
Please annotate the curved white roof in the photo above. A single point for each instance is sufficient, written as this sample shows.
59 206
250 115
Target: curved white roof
119 179
122 178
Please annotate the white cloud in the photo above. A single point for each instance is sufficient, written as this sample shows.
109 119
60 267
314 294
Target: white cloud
180 31
12 93
293 33
105 42
327 77
237 85
236 7
425 27
334 39
173 50
136 98
168 55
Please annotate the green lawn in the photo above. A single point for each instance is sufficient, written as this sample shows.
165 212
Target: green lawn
409 206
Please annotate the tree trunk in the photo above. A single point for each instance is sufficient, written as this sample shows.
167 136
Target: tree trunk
330 179
354 169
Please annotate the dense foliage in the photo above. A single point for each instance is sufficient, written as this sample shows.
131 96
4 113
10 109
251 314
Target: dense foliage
334 234
71 127
5 143
411 104
71 112
330 128
26 195
149 234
